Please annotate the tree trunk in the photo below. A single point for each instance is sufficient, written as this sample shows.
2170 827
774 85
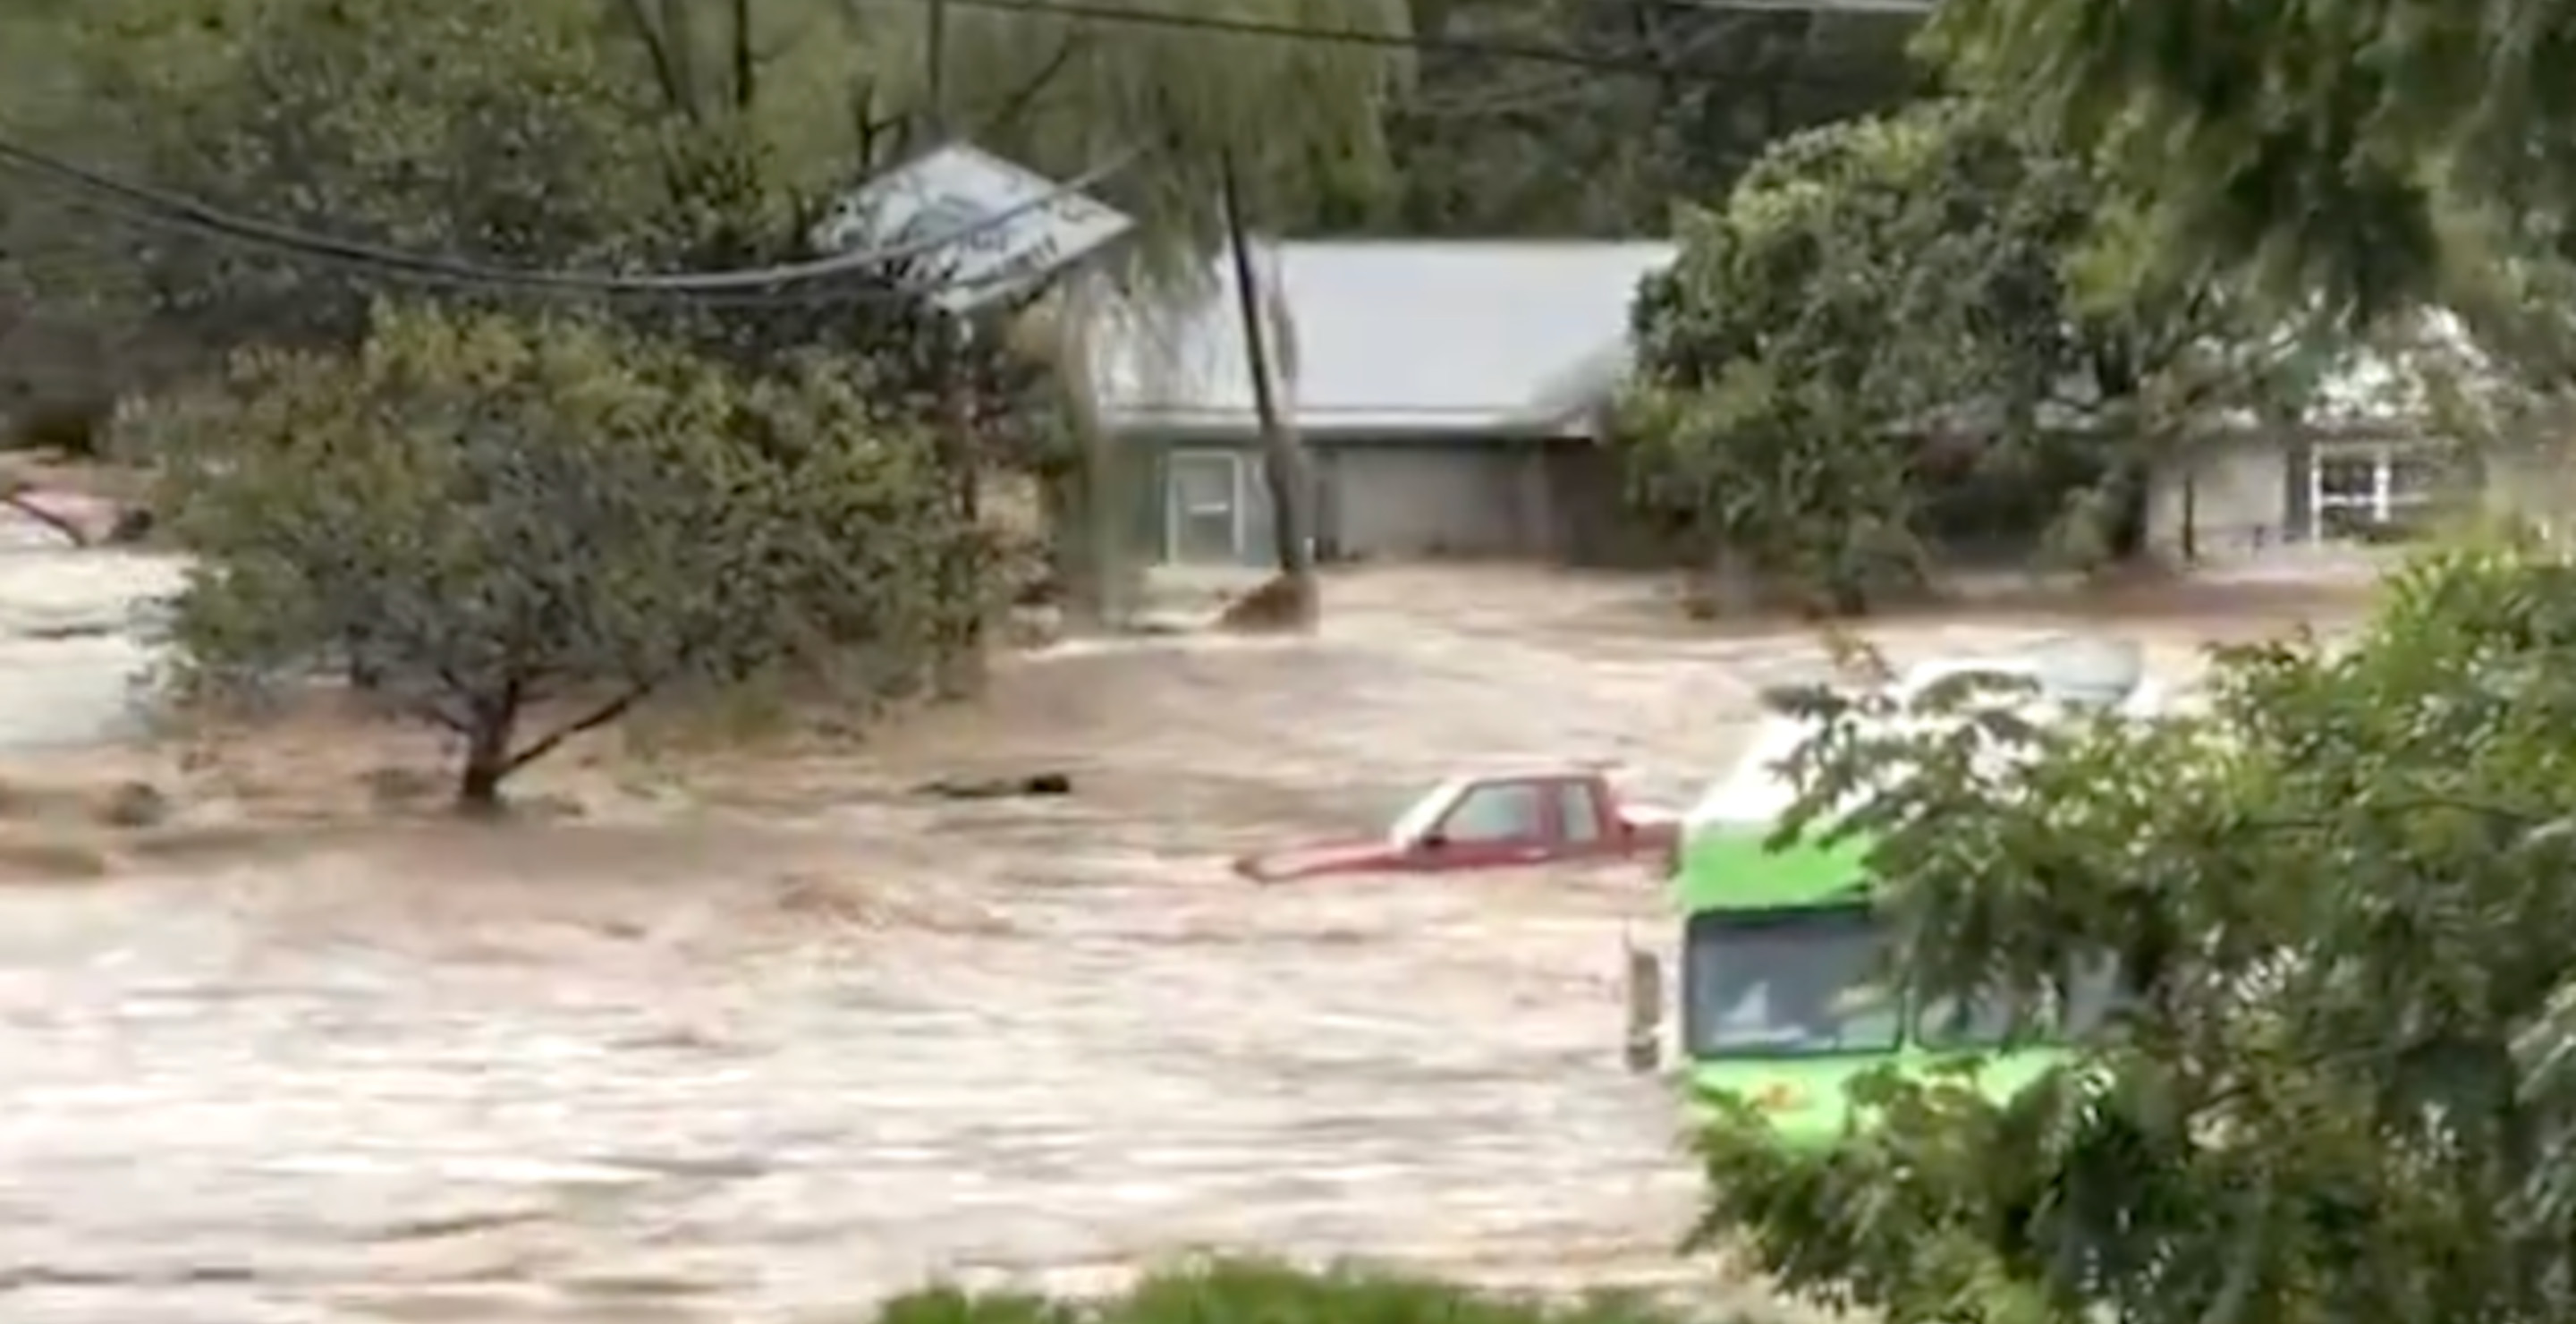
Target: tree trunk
1722 586
2190 517
746 64
478 792
679 35
958 670
1283 458
487 752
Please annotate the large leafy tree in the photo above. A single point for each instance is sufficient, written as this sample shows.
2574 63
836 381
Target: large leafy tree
1674 102
1895 323
522 528
2343 1088
508 132
2324 142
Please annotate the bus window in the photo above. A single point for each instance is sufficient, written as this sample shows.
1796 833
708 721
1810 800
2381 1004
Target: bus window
1786 984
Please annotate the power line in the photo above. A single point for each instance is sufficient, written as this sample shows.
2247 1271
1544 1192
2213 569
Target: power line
811 293
762 285
157 206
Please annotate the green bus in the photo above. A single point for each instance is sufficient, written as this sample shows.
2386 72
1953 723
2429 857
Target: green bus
1781 1002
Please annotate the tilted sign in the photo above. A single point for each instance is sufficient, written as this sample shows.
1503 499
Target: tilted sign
1018 226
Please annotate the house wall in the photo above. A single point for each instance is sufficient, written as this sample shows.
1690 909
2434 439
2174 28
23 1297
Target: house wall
2253 493
2237 496
2539 486
1377 497
1403 500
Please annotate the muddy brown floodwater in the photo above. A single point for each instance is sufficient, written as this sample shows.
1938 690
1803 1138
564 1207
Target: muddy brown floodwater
797 1040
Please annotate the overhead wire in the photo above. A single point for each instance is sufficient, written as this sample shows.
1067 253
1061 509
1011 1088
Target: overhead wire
768 285
159 205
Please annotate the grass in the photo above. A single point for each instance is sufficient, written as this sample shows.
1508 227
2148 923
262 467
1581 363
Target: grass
1253 1291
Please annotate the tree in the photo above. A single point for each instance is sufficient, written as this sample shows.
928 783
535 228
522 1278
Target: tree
1683 100
506 132
520 520
561 133
2323 142
1924 321
2343 1086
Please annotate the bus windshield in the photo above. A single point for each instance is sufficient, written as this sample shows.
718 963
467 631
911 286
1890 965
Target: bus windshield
1809 982
1786 983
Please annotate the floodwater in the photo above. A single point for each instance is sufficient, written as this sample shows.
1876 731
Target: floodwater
792 1039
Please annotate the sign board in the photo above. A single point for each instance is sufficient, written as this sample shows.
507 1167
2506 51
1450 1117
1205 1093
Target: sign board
957 188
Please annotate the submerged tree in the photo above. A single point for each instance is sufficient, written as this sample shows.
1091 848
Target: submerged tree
2342 1088
523 528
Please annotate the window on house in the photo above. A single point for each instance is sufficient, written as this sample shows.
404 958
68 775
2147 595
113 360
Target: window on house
1207 515
2374 491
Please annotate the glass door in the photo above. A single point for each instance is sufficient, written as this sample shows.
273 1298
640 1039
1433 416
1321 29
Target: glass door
1204 520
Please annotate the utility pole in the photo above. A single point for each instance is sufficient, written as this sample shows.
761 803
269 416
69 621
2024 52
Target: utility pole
960 668
1283 459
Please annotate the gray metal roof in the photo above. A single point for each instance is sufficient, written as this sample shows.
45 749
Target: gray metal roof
1393 336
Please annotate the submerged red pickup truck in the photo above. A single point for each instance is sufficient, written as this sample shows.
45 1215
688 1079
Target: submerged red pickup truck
1490 821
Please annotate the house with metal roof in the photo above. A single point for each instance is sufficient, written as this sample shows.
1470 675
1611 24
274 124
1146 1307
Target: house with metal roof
1449 395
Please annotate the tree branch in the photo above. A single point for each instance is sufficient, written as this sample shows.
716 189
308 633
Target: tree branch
869 128
436 713
746 82
15 498
657 49
594 719
680 41
1017 104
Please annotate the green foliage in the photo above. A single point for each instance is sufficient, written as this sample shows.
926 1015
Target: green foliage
1893 319
2342 1090
499 518
508 130
2322 144
557 133
1876 1223
1486 145
1240 1291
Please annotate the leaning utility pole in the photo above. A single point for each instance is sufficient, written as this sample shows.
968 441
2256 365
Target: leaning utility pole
960 667
1283 458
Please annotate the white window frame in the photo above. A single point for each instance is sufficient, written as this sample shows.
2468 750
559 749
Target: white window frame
2384 501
